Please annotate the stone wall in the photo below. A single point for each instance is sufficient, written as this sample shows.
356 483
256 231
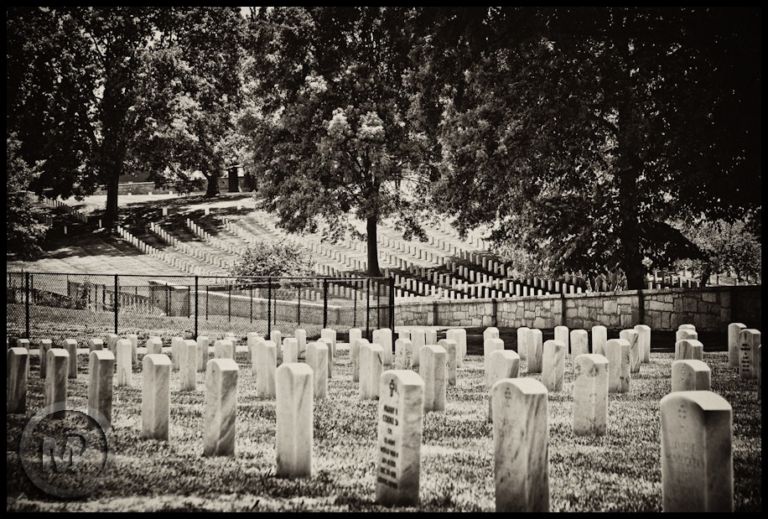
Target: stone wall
709 309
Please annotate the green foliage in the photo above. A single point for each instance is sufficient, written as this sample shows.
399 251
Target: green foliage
274 260
25 221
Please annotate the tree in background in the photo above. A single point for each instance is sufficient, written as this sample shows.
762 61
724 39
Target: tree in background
189 93
328 119
581 133
26 226
267 259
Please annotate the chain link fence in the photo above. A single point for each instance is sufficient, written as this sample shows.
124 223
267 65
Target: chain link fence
76 305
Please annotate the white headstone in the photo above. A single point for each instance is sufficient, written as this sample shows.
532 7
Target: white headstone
599 338
294 402
590 395
176 346
520 439
71 346
696 452
154 346
202 353
403 351
220 407
489 346
460 336
265 364
734 329
223 349
561 334
290 350
553 366
450 349
17 360
401 416
124 363
617 353
432 369
749 340
504 364
57 371
317 358
691 375
188 366
689 349
328 335
383 337
632 338
371 367
277 337
535 350
418 341
155 396
301 338
644 342
579 342
101 366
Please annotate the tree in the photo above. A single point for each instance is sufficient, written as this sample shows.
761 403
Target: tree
189 93
26 226
268 259
582 133
328 119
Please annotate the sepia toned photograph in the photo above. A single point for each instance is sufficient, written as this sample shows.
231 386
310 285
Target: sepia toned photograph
383 259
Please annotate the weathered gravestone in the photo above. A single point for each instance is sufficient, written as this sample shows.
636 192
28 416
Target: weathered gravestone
734 330
599 339
749 340
188 366
202 353
553 366
154 346
561 334
401 417
112 339
590 395
124 363
617 353
17 360
57 367
290 350
155 396
45 345
176 344
251 340
520 439
383 337
277 337
522 342
294 420
403 350
265 362
134 347
451 353
432 369
504 364
691 375
579 342
644 342
696 452
223 349
101 366
328 335
71 346
634 349
490 333
418 341
686 331
220 407
371 366
535 350
96 344
489 346
317 359
689 349
301 338
459 335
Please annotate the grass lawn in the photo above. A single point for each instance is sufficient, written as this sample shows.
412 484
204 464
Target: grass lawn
618 472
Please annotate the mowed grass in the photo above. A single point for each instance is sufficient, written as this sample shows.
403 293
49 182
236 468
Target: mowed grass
617 472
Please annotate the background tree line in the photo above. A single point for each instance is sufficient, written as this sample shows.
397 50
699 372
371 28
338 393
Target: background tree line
586 138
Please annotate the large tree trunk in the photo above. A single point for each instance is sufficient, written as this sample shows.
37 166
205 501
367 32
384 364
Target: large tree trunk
110 214
213 185
373 251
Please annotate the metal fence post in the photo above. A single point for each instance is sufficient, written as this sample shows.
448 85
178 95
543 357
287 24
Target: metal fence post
269 307
117 288
354 306
378 303
26 303
229 303
250 291
367 305
392 309
325 303
298 309
196 295
495 309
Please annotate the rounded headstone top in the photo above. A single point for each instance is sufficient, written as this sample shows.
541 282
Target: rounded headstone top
706 400
157 359
405 376
591 358
527 386
102 355
296 368
224 364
